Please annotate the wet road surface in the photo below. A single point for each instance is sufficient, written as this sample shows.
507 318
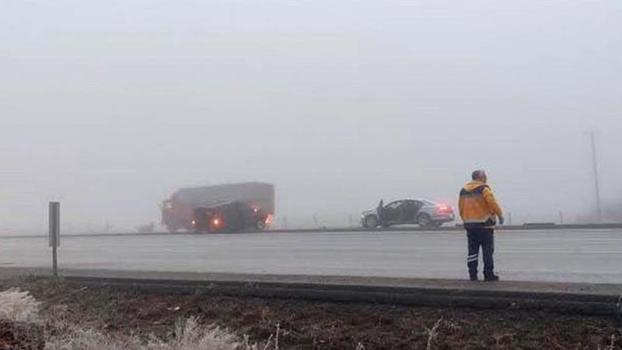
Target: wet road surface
593 256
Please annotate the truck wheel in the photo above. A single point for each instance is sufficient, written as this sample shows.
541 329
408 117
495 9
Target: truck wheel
260 225
424 220
371 221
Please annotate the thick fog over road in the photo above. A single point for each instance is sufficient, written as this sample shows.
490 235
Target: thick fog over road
109 106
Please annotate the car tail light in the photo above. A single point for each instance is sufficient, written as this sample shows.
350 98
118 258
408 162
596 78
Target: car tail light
443 208
216 222
269 219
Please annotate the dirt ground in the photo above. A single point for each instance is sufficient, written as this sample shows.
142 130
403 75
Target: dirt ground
311 325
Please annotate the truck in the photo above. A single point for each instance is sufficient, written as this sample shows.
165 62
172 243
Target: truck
221 208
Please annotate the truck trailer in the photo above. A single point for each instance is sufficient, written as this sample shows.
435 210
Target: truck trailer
221 208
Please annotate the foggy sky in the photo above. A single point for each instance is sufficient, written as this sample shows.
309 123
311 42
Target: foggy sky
109 106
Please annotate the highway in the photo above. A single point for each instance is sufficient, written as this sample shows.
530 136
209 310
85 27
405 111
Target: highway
587 255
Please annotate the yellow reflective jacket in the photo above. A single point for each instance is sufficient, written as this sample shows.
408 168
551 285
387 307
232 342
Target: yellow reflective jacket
478 206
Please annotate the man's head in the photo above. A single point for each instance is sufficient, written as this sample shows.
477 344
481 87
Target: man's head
479 175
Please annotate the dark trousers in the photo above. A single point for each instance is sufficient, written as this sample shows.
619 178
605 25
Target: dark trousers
485 238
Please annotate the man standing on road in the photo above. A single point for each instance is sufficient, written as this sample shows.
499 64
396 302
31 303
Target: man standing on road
479 210
380 211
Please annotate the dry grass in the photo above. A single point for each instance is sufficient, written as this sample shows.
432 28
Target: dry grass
192 336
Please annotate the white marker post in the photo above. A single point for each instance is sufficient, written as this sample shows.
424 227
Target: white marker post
55 234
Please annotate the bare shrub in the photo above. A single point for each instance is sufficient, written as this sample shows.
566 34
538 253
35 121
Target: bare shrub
613 342
433 333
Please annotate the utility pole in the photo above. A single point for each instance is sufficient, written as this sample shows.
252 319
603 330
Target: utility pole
599 212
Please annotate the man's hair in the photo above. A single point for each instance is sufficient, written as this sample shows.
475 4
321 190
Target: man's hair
478 174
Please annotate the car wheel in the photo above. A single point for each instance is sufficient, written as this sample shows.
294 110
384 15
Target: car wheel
371 221
260 225
424 220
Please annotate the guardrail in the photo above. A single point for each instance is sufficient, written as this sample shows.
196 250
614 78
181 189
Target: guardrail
459 227
524 227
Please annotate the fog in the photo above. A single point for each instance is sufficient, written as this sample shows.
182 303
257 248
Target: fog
109 106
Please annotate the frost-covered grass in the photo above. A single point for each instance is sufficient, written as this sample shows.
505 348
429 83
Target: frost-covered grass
18 306
189 335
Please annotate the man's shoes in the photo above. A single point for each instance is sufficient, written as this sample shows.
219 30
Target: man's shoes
491 278
473 278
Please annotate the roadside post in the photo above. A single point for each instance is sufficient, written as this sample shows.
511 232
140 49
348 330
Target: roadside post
55 234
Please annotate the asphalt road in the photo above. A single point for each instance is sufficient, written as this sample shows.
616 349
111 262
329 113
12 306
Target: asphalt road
592 256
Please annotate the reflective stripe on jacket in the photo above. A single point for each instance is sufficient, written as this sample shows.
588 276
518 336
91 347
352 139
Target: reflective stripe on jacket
478 206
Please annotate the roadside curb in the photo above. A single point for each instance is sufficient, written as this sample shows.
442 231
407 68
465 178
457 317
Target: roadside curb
570 298
570 303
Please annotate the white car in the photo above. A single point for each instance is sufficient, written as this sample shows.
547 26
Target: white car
408 211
